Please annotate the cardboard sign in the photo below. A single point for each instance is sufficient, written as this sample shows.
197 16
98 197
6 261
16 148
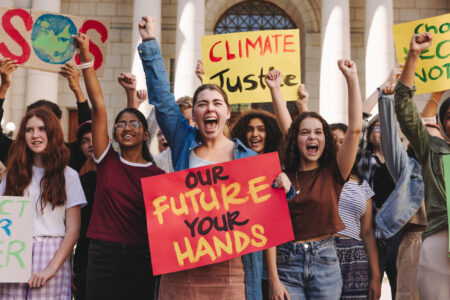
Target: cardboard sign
16 238
446 164
43 40
238 62
211 214
433 67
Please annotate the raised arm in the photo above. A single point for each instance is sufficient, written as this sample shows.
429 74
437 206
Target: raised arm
394 154
128 82
172 123
200 70
71 73
429 111
100 137
302 100
405 108
273 81
347 154
372 100
7 66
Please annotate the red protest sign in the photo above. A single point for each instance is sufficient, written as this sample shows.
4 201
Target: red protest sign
211 214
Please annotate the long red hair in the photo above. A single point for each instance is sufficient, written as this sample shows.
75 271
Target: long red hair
55 159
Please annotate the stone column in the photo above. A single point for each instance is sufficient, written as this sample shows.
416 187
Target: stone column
43 85
143 8
190 28
380 52
335 45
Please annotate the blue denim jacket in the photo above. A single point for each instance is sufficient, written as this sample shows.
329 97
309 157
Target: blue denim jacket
408 194
183 138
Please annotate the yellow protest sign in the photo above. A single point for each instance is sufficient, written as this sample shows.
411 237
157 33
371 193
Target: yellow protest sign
239 61
433 67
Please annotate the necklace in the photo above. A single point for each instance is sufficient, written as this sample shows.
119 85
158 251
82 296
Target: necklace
300 189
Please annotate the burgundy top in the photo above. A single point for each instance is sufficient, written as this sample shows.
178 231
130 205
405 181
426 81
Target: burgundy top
314 211
119 212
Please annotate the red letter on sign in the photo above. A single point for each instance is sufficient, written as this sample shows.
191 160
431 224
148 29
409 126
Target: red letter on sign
93 48
15 35
211 54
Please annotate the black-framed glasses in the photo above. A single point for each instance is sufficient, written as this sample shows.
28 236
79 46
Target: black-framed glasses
121 125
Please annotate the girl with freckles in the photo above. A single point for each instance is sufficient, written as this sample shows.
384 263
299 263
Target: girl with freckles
308 267
38 168
238 278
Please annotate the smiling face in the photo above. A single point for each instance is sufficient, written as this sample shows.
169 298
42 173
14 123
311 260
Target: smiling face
310 142
35 135
256 135
129 132
210 113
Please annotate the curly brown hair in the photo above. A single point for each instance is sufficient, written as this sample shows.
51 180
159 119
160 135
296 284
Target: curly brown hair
273 132
292 154
55 159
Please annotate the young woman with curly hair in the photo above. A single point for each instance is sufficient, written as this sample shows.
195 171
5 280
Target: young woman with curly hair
38 168
308 267
259 131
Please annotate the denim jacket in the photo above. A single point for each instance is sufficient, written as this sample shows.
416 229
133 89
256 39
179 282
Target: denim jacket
408 194
183 138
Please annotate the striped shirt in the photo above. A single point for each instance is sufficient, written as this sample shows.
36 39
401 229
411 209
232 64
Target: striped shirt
352 206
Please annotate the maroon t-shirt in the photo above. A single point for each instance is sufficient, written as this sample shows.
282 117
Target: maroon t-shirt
119 212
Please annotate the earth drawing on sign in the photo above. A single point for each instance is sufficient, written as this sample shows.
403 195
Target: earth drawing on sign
52 38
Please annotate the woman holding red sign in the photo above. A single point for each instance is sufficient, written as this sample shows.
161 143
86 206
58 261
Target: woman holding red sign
238 278
308 268
119 265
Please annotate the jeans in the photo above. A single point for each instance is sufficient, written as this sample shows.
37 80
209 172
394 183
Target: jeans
387 259
310 270
117 271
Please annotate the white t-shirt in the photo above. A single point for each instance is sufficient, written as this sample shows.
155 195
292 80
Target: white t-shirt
53 221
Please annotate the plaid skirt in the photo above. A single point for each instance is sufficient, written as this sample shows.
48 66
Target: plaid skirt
354 268
57 288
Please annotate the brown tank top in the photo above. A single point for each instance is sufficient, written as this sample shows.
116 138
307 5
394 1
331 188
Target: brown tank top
314 211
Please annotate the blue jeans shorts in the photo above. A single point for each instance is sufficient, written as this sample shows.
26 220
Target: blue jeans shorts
310 270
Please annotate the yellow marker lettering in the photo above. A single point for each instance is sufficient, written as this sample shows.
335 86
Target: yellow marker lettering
219 245
183 207
203 248
181 256
160 209
241 240
214 202
253 189
230 197
258 231
191 194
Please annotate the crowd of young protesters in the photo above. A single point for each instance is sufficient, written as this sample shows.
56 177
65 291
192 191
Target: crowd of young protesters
360 203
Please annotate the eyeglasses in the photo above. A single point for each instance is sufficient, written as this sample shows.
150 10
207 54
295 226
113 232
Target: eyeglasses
121 125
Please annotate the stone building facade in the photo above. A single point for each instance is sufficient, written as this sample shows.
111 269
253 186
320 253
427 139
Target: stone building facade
363 28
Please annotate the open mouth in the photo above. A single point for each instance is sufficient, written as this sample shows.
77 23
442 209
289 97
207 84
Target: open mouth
210 123
255 143
312 149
